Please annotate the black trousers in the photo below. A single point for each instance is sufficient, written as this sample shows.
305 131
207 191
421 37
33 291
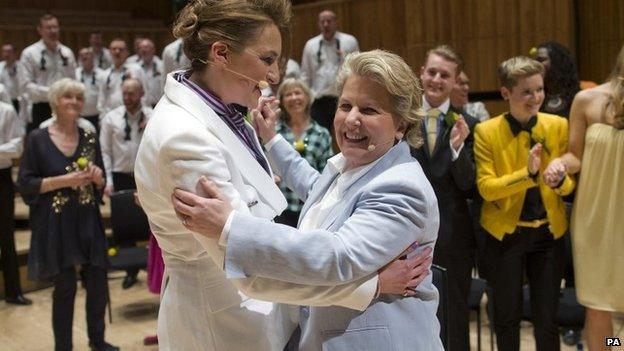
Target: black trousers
289 218
63 300
40 112
323 110
8 257
124 181
16 105
532 251
458 264
95 120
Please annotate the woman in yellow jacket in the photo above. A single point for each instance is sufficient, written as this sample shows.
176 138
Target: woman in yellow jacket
523 210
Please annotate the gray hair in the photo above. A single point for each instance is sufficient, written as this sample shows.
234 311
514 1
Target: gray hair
290 83
62 87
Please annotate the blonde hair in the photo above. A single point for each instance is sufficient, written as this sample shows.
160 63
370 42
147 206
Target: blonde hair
617 86
516 68
449 54
201 23
62 87
390 71
288 84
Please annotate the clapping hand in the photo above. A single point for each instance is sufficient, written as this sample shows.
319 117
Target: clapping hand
265 116
555 172
534 159
459 133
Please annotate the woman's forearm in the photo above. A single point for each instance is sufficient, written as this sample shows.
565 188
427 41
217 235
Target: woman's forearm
52 183
573 163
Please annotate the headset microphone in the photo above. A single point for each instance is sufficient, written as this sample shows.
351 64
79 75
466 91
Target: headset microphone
373 147
262 84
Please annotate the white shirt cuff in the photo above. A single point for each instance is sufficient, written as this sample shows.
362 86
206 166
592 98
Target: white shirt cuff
455 154
362 296
273 141
225 232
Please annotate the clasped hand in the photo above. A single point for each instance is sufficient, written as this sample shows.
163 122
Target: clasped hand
93 174
555 172
265 117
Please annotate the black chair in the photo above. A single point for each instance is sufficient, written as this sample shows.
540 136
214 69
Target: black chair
570 315
440 280
130 225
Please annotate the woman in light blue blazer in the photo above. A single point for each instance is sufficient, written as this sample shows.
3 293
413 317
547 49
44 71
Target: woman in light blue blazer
370 202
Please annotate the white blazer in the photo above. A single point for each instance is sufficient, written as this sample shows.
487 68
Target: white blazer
200 308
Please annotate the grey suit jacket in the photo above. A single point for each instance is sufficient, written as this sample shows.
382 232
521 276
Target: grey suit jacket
382 213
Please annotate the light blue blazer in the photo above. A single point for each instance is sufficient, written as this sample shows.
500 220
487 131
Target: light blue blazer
381 214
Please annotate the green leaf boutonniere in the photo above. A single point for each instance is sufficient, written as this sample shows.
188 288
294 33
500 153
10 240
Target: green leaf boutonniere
538 139
450 119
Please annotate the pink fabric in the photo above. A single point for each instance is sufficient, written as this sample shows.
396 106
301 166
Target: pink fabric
155 266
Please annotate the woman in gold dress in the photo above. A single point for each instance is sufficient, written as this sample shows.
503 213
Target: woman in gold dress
596 149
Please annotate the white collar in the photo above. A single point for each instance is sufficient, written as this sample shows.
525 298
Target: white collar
442 108
338 163
136 115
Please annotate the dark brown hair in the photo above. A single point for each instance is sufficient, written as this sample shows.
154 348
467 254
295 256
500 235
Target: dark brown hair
235 22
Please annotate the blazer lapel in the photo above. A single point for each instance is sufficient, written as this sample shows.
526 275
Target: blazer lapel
249 167
424 146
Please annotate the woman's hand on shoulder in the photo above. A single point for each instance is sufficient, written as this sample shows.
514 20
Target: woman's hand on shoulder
203 215
265 117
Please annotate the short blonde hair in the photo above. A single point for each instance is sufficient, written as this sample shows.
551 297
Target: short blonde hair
449 54
201 23
291 83
516 68
390 71
62 87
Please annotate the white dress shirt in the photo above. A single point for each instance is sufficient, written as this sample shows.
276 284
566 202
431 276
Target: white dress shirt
119 154
322 59
477 110
153 78
103 59
92 81
133 59
446 105
320 210
110 96
292 69
82 123
44 67
11 133
4 94
174 58
14 78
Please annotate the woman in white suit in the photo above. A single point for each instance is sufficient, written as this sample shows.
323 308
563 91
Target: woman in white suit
233 46
370 201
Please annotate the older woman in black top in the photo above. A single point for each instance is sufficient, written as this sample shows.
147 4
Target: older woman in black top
60 178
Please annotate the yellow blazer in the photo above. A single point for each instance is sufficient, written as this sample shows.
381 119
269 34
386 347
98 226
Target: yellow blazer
503 177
